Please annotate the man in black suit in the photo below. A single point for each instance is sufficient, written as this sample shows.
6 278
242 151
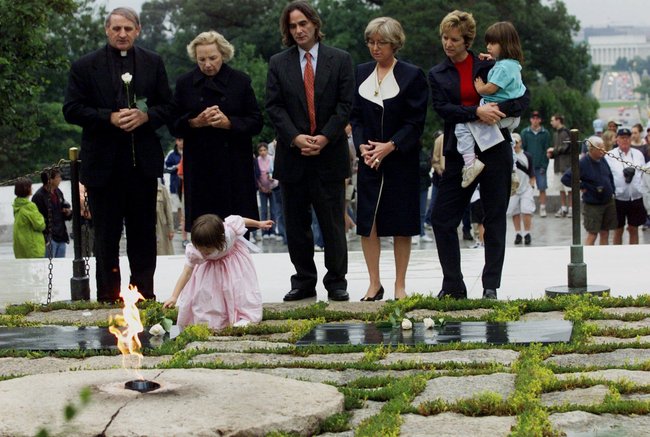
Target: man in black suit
311 160
120 96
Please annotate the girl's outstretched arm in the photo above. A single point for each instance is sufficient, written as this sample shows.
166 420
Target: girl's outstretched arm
180 284
262 224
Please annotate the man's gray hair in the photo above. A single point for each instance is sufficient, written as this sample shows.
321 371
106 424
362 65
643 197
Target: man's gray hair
128 13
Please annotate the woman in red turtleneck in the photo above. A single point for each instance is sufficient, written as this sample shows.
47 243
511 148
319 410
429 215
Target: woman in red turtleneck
456 101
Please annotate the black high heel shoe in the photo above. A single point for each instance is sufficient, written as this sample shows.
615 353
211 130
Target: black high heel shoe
378 296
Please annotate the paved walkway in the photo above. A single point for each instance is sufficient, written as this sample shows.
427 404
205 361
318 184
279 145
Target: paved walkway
528 271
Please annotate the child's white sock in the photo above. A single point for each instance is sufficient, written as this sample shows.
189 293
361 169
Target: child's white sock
469 159
241 323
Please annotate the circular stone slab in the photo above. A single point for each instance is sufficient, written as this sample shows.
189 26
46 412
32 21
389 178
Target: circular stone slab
189 402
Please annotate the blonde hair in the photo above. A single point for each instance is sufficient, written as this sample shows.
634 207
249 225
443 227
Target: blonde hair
211 37
464 22
389 29
609 138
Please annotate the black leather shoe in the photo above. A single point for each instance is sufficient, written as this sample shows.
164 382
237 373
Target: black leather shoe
378 296
518 239
527 240
298 294
489 293
451 294
338 295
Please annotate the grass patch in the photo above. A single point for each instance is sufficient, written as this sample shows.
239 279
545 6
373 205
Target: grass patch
338 422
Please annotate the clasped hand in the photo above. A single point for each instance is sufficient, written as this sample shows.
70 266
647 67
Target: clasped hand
211 116
129 119
374 152
310 145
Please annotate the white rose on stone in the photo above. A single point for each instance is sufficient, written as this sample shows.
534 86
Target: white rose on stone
428 323
157 330
407 324
127 78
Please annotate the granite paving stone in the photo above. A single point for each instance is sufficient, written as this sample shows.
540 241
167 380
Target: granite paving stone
583 424
498 356
370 408
451 388
454 425
338 377
620 357
549 315
619 324
236 345
617 340
578 396
189 402
27 366
233 358
623 311
644 397
420 314
70 317
637 377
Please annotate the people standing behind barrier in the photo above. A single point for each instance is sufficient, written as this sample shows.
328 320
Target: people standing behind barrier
387 120
438 167
597 187
503 83
456 101
536 140
425 183
217 116
164 222
120 96
522 204
629 188
309 94
561 154
29 223
265 186
56 211
218 285
172 160
638 142
87 230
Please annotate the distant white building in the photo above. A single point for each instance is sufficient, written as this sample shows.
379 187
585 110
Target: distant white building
606 50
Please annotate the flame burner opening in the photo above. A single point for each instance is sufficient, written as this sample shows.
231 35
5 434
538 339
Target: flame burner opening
141 385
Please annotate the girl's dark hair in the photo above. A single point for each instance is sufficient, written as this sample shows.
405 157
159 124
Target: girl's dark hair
208 231
505 34
262 144
308 11
23 187
50 174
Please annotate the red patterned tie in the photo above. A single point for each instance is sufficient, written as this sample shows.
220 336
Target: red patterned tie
309 92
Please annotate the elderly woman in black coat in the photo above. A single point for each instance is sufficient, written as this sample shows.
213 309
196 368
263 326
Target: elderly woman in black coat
217 116
387 123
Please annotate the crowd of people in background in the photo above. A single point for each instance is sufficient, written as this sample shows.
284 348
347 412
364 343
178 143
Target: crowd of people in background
349 157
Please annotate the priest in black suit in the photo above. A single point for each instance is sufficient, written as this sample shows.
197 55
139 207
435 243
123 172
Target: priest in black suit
120 96
309 96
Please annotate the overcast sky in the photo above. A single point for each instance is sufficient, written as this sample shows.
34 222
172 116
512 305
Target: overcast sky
589 12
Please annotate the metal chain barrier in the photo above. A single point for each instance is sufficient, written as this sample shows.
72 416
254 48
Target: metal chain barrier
86 231
618 158
62 162
48 246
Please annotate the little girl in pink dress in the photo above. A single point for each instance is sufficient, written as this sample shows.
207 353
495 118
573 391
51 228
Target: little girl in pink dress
218 285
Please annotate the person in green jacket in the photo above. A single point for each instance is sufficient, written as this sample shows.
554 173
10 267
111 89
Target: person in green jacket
29 224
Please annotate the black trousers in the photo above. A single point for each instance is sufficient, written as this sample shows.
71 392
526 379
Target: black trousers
130 200
328 200
451 203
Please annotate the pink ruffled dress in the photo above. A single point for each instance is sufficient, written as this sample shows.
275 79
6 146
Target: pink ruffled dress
223 288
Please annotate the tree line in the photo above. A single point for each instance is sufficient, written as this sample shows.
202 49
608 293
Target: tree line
40 38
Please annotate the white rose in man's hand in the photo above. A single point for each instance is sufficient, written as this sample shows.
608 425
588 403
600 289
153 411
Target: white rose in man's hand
127 78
